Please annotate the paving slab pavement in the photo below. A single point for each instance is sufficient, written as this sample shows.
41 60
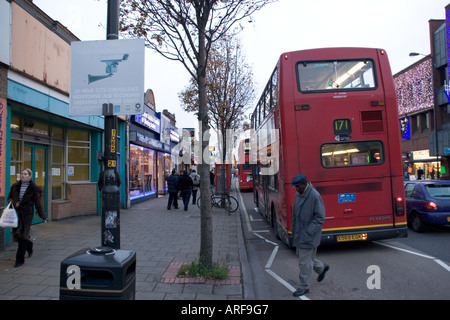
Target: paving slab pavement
161 239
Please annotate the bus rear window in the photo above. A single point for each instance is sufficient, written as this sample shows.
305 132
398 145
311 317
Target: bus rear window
348 154
337 75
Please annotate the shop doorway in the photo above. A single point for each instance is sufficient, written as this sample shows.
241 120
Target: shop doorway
35 158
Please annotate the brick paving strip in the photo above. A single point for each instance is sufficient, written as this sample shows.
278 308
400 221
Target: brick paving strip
170 276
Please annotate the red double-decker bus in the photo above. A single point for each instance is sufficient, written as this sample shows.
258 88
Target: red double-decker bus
245 174
331 114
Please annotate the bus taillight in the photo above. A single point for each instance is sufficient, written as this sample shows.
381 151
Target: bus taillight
399 206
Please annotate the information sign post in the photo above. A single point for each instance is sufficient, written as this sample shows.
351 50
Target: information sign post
107 79
111 191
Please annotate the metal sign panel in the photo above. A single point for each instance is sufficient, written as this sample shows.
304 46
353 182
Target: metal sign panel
107 71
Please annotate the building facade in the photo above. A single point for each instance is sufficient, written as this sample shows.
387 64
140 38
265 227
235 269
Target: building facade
64 151
415 96
423 106
152 137
38 132
439 142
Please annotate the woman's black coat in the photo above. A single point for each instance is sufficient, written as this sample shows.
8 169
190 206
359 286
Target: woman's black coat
32 197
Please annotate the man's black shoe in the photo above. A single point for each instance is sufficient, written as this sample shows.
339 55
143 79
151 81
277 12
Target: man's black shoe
322 275
300 292
18 264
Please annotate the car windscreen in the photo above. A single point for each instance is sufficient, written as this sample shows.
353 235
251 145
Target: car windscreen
439 190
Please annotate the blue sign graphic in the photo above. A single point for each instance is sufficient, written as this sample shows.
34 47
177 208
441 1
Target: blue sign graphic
347 197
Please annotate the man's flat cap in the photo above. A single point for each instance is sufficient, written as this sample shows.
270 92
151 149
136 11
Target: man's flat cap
299 179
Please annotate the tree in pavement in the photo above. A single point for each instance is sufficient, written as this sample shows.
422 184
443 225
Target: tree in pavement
184 31
230 91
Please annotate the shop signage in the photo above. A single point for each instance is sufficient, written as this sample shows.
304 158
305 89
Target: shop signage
421 154
150 142
107 71
404 128
149 121
174 136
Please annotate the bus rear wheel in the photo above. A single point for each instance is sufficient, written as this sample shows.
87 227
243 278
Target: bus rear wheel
274 222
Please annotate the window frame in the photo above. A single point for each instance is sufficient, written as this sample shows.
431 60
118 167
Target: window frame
374 73
382 161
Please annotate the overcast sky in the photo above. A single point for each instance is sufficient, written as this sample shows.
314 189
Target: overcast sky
398 26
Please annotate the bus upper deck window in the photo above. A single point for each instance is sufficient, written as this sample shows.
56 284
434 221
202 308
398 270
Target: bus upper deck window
326 76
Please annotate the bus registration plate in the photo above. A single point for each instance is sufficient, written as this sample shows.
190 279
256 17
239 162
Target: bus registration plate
352 237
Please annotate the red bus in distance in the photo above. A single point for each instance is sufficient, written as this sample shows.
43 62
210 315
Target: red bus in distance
245 174
335 114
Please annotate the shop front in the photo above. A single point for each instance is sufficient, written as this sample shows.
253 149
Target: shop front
151 160
420 166
149 166
60 151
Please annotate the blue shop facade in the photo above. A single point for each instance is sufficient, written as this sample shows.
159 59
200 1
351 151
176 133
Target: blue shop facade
152 138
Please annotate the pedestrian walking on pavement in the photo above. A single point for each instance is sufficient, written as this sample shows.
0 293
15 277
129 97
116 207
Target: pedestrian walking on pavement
25 195
196 181
172 188
308 216
212 177
185 185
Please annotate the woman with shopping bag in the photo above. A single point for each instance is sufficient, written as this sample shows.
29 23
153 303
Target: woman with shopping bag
25 195
9 218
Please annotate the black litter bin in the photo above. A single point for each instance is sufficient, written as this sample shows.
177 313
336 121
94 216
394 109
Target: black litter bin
104 274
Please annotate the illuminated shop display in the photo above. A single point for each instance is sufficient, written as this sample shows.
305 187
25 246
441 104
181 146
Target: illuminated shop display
142 172
415 88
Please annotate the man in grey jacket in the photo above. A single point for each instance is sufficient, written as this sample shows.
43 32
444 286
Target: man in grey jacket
308 216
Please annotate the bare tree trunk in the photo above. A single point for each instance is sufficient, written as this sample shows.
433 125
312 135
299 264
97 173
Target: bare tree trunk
206 230
223 168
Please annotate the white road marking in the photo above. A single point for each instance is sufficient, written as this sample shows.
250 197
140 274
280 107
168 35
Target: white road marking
273 254
439 262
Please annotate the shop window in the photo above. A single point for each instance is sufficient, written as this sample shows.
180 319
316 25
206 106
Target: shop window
16 123
415 124
36 127
58 173
16 160
166 162
425 120
445 118
142 172
78 135
58 133
78 155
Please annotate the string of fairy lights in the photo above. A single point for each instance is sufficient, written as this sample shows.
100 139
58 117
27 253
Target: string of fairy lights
415 88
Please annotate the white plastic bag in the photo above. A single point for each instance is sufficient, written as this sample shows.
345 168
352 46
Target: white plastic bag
9 218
